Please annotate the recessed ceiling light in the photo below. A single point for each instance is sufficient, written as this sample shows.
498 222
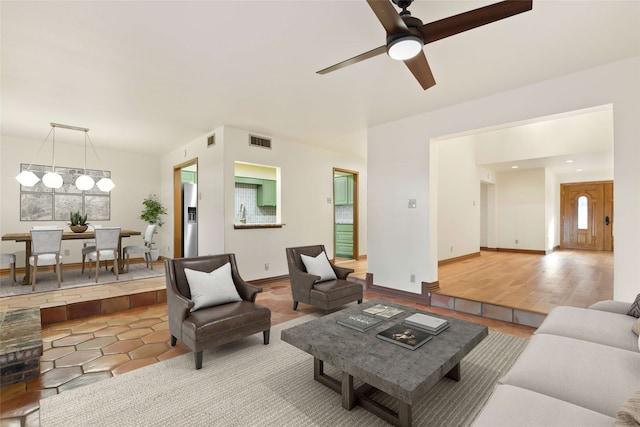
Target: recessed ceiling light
578 170
569 161
515 167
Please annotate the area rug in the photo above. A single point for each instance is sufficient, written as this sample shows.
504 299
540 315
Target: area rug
247 383
47 281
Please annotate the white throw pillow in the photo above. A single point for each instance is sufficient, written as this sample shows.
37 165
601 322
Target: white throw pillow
319 266
213 288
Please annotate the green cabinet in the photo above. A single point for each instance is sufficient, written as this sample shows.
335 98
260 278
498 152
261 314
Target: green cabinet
267 190
188 176
344 240
267 193
343 190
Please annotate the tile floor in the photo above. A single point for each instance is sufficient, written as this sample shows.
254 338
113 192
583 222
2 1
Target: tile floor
82 351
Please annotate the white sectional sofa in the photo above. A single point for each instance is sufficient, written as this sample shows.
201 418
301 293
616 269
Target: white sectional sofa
579 369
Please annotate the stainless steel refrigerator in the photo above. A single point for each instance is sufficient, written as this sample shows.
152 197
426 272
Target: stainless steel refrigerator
189 220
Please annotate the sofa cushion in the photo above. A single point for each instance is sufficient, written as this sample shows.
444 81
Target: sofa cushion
596 326
629 413
514 406
612 306
634 309
594 376
333 290
213 288
319 266
224 320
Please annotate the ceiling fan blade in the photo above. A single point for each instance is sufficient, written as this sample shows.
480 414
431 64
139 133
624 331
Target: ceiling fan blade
374 52
388 16
419 66
474 18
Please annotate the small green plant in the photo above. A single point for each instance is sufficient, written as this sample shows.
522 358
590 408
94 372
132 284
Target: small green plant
153 210
76 218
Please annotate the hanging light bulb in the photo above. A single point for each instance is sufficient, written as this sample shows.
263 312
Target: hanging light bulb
84 182
53 179
27 178
105 184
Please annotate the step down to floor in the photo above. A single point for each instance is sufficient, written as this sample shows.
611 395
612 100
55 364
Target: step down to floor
488 310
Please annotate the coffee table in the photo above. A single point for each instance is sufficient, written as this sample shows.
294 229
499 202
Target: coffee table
401 373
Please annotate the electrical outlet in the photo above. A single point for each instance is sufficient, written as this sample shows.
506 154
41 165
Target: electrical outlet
66 252
516 241
266 266
412 203
451 248
413 278
329 200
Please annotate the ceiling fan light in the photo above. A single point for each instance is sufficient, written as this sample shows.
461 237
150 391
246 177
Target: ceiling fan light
404 47
84 182
27 178
52 180
105 184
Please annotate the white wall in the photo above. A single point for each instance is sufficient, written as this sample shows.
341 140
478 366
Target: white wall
211 187
458 199
552 211
306 183
135 175
521 209
407 166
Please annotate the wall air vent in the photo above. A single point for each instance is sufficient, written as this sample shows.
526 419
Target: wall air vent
211 140
256 141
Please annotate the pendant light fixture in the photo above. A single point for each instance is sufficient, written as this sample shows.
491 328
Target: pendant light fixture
84 182
53 179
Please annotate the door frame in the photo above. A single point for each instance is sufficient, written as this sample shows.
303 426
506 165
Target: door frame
177 204
356 201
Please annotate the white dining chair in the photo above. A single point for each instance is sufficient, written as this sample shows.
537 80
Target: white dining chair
88 245
45 250
145 250
46 227
106 249
10 260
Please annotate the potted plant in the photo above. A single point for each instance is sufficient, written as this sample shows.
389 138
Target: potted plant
78 222
152 214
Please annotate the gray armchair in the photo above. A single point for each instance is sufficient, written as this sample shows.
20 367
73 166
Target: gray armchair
217 325
326 295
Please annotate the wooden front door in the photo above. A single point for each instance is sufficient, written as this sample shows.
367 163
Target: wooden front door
586 210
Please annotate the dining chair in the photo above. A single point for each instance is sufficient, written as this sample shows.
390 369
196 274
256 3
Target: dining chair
45 250
10 259
106 248
88 245
45 227
145 250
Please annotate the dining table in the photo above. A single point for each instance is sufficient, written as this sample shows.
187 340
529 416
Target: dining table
67 235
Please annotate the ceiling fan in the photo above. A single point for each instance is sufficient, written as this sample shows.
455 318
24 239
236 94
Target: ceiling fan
406 34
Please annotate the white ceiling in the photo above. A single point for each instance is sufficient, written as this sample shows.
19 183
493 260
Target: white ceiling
150 76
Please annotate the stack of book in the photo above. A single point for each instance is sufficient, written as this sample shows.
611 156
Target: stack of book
431 324
359 322
383 311
405 336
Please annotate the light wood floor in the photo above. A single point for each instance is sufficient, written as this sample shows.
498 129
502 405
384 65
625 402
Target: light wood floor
525 281
531 282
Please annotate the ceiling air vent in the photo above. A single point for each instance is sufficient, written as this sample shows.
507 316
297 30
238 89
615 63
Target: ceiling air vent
256 141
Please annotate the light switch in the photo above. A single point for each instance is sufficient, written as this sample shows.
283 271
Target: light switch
412 203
